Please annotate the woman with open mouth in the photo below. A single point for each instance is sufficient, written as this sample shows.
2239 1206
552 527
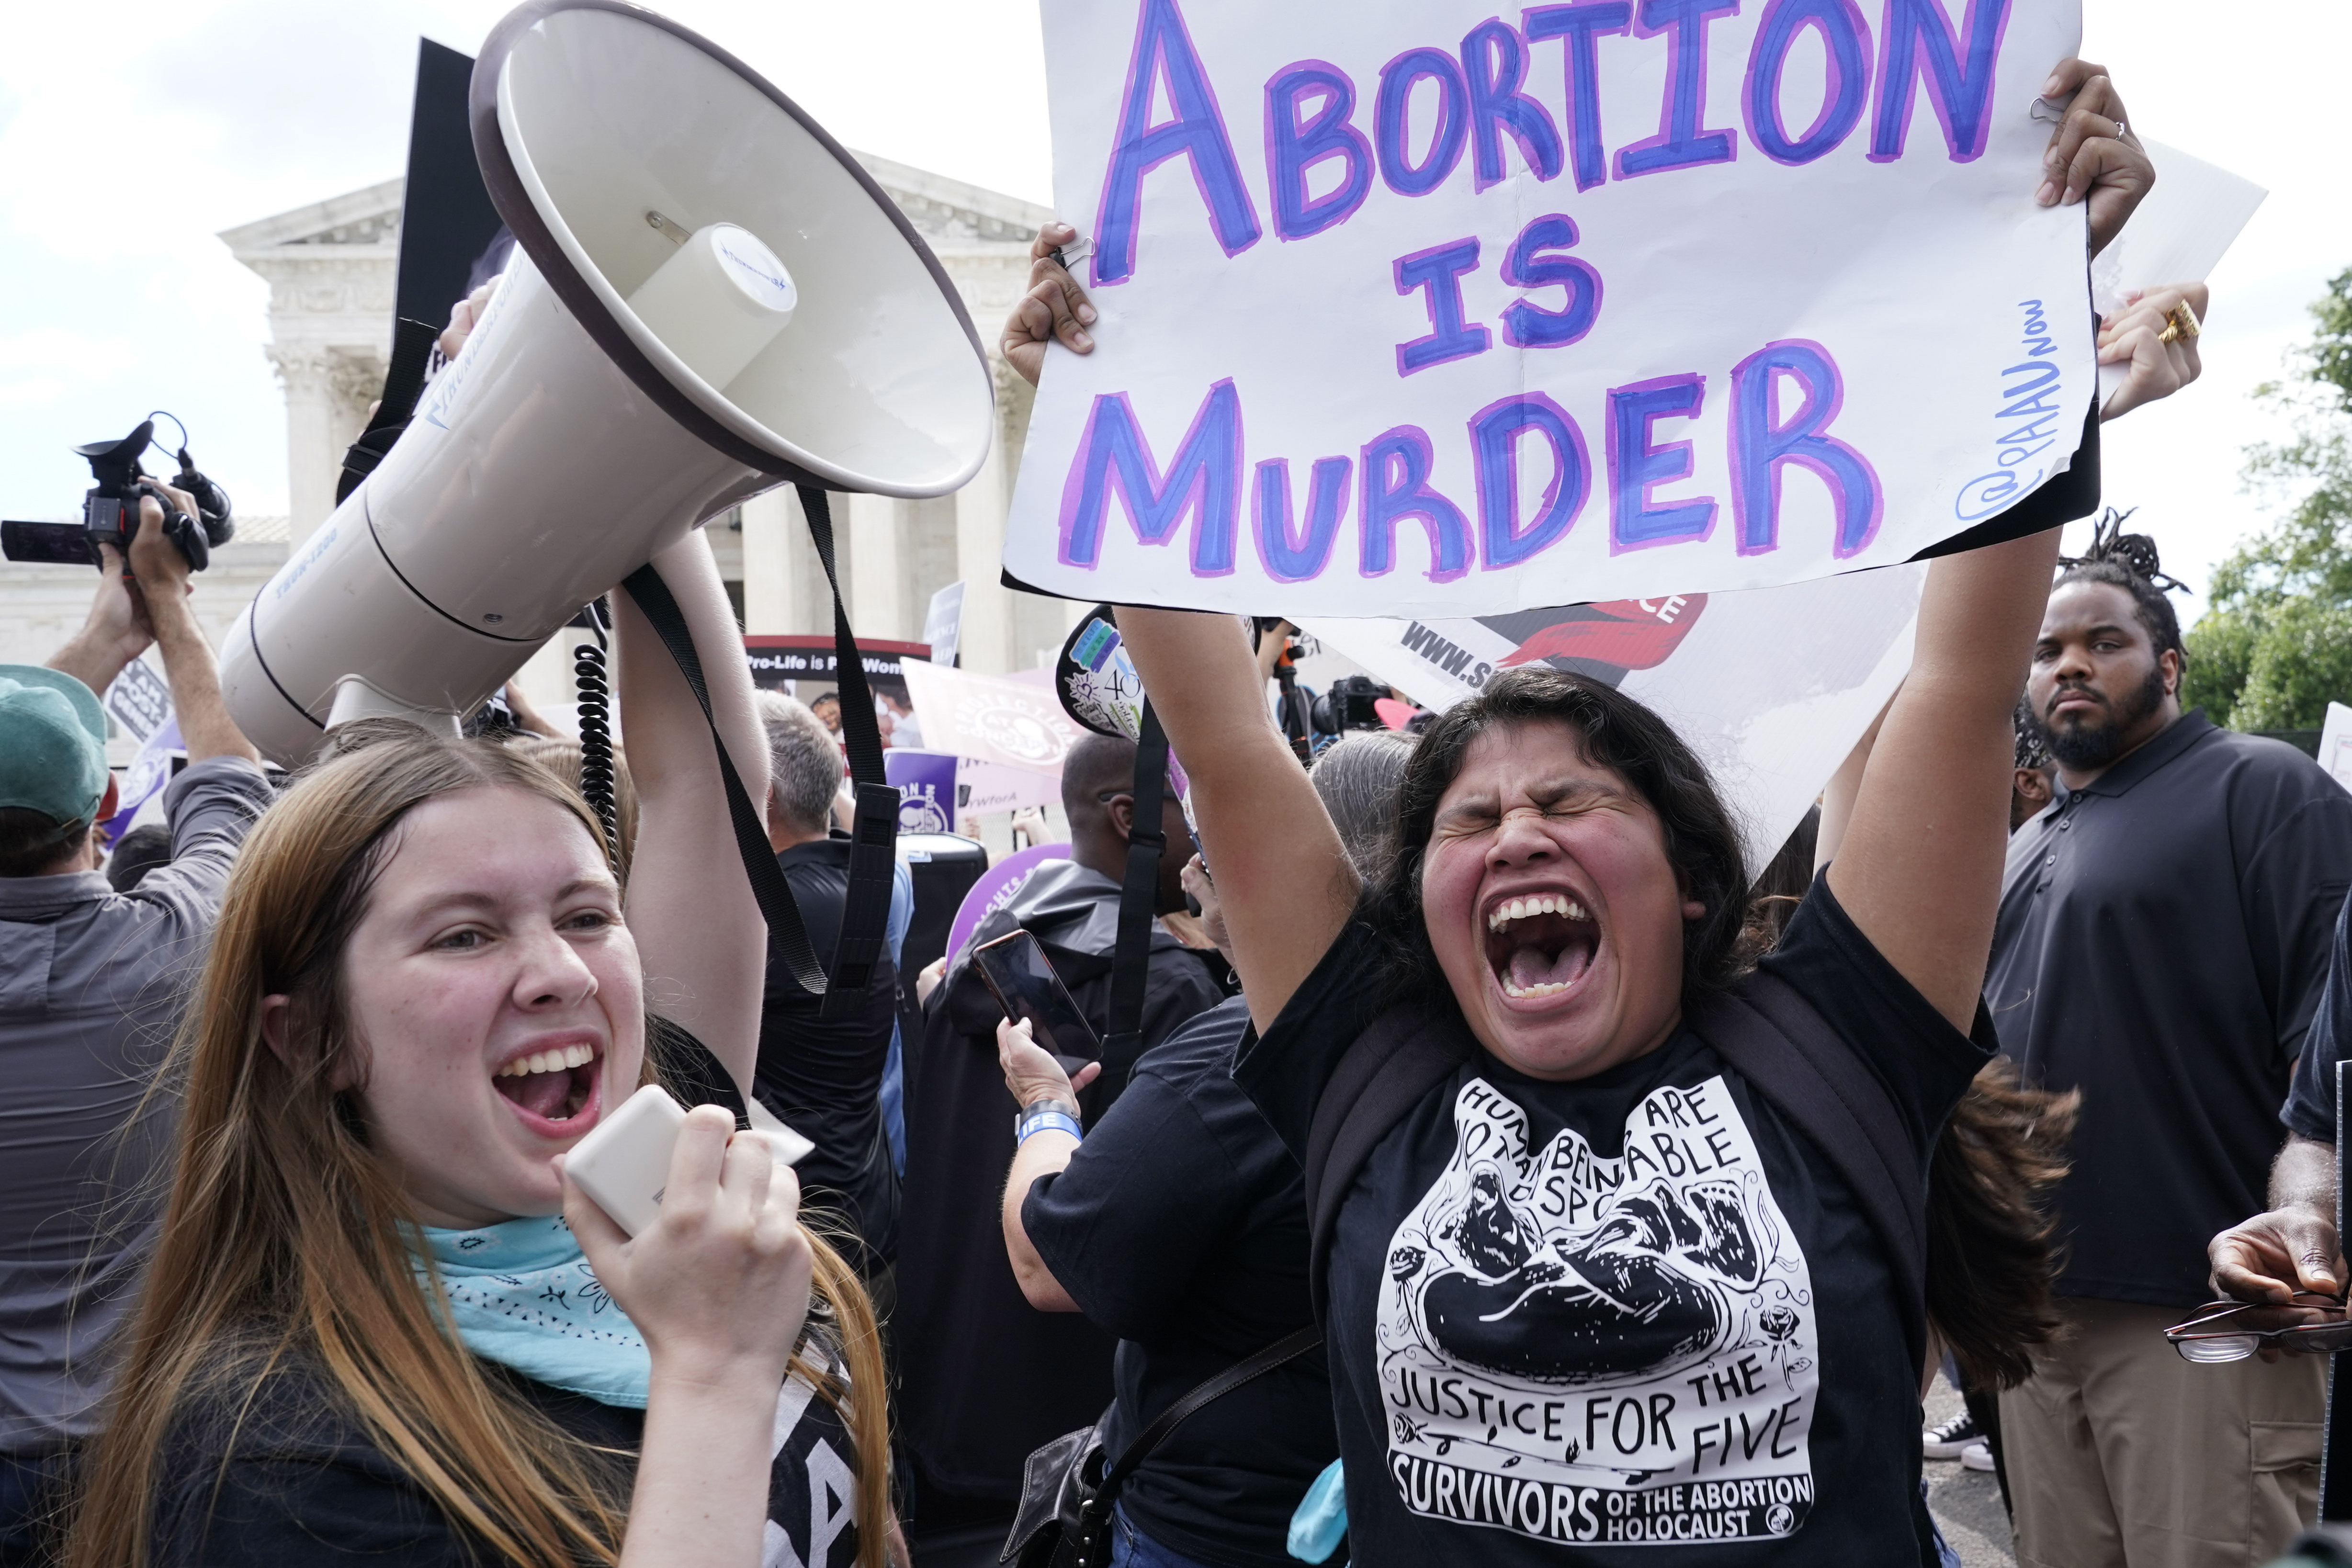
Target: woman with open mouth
1597 1276
380 1322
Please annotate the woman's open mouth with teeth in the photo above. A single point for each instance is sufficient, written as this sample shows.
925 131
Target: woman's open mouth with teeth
553 1085
1541 944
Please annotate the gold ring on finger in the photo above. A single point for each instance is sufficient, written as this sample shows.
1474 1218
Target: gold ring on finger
2179 324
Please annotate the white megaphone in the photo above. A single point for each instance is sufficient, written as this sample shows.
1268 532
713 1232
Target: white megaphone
708 297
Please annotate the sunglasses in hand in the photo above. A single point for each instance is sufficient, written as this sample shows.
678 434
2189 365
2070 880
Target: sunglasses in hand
2308 1323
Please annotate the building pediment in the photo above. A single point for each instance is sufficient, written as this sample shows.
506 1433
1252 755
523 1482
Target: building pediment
367 222
364 222
945 209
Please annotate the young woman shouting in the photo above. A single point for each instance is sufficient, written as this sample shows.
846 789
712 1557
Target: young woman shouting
1588 1291
381 1323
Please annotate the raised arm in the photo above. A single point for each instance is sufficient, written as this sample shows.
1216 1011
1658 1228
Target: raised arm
1920 868
1283 879
697 927
189 668
115 632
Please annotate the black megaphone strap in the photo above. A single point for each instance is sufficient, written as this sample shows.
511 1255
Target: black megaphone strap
874 837
787 937
404 383
874 831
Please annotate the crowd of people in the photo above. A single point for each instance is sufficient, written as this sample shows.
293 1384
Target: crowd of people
1502 1174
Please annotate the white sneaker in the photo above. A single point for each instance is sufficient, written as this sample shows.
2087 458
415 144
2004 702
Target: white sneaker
1976 1456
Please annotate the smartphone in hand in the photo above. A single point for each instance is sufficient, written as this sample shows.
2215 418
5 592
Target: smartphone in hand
1016 972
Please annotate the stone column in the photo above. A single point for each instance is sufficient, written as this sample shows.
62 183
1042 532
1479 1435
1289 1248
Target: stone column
312 458
875 542
986 636
771 593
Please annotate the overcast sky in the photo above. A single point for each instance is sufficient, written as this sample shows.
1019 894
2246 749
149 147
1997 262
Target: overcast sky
126 146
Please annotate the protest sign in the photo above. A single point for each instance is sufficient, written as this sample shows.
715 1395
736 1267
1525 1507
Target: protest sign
2336 744
1771 687
982 786
926 782
1415 310
990 717
995 889
140 700
943 625
807 666
2178 234
150 768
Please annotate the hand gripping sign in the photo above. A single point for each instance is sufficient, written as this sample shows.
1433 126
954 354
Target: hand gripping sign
1420 309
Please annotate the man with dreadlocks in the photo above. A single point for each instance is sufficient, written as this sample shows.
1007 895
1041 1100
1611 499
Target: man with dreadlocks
2035 783
2161 945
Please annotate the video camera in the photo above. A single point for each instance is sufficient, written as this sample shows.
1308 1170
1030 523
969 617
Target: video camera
110 508
1349 706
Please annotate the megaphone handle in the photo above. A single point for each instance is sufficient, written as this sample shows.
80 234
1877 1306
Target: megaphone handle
787 936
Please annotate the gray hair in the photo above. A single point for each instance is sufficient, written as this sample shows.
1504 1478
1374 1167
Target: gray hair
1357 776
805 767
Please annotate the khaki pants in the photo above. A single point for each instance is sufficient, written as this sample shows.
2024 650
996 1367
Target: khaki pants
2121 1455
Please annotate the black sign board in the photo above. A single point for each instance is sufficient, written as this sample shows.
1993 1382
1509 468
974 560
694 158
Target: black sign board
451 237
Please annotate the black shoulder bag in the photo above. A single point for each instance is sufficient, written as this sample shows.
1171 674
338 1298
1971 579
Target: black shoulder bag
1066 1495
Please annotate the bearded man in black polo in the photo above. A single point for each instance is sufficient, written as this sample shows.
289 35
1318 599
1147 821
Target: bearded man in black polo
2162 942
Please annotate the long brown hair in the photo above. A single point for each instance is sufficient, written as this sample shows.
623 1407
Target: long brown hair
1991 1248
282 1240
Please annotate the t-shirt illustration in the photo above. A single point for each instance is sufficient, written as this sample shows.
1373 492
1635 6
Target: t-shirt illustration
803 1439
1620 1350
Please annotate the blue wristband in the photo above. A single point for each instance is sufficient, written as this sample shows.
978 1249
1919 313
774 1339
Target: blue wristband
1031 1122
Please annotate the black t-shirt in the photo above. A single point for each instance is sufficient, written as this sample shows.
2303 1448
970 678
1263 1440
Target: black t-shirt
1627 1311
2162 942
823 1078
1181 1227
294 1480
984 1378
2310 1108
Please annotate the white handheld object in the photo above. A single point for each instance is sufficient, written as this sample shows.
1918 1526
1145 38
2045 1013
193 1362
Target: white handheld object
623 1163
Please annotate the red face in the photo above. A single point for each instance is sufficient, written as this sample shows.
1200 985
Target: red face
1554 912
496 997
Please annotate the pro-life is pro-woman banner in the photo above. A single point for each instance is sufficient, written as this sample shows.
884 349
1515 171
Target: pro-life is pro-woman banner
1420 309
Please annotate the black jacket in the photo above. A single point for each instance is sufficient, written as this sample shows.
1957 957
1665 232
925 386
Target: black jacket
985 1377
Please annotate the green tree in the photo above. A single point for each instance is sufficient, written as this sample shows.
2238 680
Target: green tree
2276 646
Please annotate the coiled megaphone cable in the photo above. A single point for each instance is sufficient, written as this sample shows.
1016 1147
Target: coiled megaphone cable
597 774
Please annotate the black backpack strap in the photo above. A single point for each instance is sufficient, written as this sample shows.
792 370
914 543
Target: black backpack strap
1131 960
1797 1062
1289 1348
1391 1067
873 833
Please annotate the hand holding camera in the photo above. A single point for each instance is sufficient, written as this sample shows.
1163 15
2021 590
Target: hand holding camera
195 511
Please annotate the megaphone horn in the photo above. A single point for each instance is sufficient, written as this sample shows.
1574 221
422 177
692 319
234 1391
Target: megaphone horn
708 297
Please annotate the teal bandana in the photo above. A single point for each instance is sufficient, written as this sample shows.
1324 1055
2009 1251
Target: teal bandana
521 1294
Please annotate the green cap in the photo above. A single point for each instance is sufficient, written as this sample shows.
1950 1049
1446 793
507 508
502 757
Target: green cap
52 744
